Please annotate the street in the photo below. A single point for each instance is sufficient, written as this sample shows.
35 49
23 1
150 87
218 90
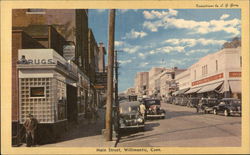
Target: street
183 127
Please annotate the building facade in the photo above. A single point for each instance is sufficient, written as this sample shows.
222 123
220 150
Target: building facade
167 84
141 83
101 61
215 75
58 59
220 71
153 72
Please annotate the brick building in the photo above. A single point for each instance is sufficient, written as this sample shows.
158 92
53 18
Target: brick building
20 40
54 29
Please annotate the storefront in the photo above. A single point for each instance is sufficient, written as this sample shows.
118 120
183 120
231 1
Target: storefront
216 76
47 88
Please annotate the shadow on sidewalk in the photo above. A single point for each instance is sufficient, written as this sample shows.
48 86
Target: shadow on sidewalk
83 129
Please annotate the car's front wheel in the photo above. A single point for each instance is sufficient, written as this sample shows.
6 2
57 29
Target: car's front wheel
226 113
215 112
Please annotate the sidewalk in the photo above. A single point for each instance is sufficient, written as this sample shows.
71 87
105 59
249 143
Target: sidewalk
84 135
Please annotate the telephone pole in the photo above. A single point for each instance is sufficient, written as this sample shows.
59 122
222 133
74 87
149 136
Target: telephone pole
116 78
109 103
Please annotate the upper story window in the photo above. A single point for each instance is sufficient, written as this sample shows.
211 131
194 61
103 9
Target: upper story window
195 74
35 11
216 65
240 61
204 70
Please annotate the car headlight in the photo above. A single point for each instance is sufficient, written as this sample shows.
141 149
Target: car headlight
140 120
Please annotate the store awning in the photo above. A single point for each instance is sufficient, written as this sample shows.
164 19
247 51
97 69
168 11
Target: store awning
235 86
175 93
182 91
192 90
210 87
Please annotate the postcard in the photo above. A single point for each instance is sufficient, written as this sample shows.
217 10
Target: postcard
125 77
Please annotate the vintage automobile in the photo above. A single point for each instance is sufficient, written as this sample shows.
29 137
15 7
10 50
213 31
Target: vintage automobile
130 116
228 106
193 102
184 101
177 100
206 105
153 108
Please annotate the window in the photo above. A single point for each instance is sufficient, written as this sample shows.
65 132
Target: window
240 61
195 74
204 70
216 65
37 92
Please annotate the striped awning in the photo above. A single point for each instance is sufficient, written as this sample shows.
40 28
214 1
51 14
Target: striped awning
192 90
209 88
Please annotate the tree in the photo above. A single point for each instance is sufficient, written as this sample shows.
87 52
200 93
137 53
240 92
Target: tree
234 43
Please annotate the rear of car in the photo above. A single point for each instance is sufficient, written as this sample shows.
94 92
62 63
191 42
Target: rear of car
130 116
153 109
206 105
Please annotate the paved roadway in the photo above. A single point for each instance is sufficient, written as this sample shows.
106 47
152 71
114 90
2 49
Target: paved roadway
183 127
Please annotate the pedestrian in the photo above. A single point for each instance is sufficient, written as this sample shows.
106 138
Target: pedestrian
142 110
88 114
30 125
95 114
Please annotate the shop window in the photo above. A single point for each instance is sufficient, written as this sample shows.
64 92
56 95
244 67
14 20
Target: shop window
37 92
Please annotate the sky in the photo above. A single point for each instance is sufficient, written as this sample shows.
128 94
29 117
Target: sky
147 38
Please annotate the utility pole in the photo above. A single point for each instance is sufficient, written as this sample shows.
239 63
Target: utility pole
109 103
116 112
116 79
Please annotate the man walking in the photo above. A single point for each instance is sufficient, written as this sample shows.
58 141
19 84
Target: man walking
142 110
30 125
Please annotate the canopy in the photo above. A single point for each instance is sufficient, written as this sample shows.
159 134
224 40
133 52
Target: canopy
192 90
182 91
175 93
210 87
235 86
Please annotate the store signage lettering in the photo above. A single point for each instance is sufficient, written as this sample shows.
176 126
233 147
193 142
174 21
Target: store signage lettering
234 74
23 60
208 79
41 61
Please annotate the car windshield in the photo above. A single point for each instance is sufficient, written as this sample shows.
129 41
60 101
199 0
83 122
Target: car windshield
212 101
129 109
152 102
234 102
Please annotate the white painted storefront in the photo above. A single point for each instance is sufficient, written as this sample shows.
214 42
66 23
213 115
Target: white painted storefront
43 78
220 72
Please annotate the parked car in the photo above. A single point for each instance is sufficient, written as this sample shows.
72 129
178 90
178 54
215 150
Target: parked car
228 106
177 100
153 108
193 102
206 105
184 101
169 100
132 97
130 116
